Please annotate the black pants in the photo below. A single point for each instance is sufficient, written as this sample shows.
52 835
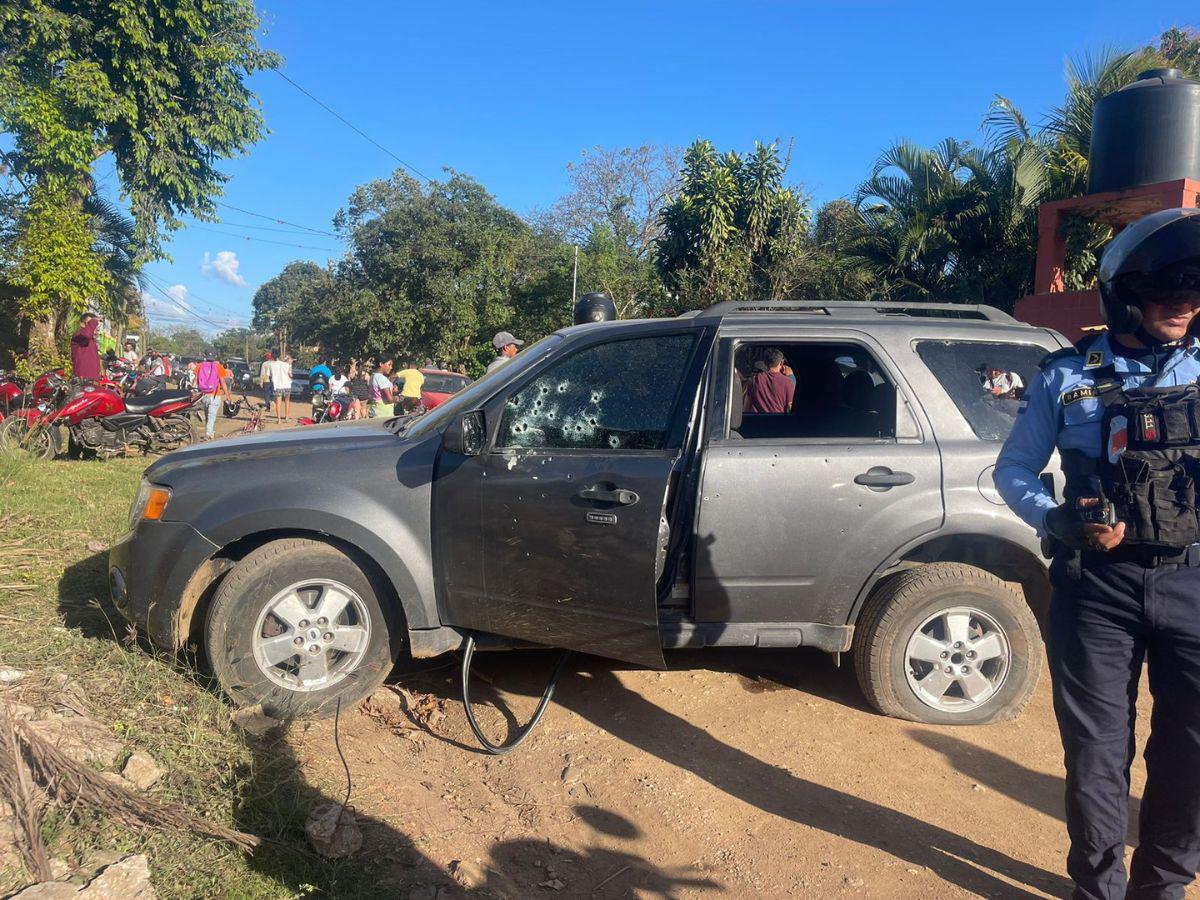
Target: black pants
1103 624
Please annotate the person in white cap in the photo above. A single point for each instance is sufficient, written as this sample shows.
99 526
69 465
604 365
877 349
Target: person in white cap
506 347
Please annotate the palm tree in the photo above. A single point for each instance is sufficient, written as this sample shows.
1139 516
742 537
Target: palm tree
909 208
116 244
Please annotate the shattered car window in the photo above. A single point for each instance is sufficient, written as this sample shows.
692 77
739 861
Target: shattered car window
986 380
614 396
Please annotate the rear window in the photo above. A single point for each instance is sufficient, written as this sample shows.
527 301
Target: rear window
986 380
445 384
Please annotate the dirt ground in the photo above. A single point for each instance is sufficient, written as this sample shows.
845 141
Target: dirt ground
743 773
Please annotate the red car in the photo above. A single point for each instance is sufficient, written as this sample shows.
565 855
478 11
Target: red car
439 386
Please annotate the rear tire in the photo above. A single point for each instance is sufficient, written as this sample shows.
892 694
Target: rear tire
276 597
179 431
947 644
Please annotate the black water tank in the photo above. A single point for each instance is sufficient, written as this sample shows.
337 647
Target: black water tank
1147 132
595 307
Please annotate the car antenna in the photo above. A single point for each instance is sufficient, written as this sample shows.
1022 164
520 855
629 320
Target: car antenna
525 730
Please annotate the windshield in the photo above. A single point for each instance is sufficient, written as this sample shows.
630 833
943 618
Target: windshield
478 391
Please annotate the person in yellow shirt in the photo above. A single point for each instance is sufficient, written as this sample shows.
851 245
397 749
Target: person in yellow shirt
410 394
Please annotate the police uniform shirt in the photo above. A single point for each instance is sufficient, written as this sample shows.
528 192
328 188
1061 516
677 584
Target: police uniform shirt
1062 408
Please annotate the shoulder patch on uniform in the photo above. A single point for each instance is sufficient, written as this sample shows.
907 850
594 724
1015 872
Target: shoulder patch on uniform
1051 358
1083 392
1095 359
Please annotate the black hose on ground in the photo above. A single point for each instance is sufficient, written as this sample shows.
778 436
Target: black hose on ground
525 730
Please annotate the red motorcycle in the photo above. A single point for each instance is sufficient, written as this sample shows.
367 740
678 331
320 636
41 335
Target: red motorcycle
99 419
18 430
12 395
333 411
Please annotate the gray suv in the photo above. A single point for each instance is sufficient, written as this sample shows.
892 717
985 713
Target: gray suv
608 491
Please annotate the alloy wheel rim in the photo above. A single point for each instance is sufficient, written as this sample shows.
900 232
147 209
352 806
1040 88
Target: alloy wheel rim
311 635
957 659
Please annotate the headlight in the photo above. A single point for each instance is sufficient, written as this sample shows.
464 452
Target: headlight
149 503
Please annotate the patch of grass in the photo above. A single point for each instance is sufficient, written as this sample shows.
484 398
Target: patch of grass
57 520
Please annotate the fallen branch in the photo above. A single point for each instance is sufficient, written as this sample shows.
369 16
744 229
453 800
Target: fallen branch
69 782
17 785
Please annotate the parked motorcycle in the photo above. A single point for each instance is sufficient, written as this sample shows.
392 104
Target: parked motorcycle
106 423
99 419
12 394
334 411
20 429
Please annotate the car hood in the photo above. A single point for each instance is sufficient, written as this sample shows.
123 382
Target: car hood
281 444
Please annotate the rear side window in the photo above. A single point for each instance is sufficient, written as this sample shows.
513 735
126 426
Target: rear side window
986 380
614 396
445 384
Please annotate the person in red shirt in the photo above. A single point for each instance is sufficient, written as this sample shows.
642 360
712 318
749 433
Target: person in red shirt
770 391
85 352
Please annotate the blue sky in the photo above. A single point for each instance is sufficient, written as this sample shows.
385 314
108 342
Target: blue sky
510 93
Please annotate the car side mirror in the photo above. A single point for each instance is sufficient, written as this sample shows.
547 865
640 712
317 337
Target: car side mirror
465 435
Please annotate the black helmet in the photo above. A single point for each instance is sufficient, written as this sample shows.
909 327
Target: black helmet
1153 252
595 307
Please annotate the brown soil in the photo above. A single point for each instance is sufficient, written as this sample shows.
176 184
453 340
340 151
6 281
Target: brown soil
746 773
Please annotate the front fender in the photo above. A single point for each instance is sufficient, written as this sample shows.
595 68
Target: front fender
375 498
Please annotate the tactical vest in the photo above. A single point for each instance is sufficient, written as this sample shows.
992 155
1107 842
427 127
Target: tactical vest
1149 466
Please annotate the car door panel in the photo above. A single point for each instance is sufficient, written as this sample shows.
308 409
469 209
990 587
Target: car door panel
807 536
789 529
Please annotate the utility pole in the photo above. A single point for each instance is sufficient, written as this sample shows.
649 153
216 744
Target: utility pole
575 280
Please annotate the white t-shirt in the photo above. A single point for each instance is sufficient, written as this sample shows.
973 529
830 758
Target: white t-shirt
1004 382
336 384
131 357
281 374
379 384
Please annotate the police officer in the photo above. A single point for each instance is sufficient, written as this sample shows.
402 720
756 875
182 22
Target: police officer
1124 411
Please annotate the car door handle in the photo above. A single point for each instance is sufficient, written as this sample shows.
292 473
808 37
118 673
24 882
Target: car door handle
881 478
618 496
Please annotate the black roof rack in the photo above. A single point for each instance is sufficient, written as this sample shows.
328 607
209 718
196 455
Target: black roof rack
860 308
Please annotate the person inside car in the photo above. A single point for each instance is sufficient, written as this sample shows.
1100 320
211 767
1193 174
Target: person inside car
769 390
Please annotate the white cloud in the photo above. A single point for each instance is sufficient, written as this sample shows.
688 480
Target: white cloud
157 305
178 292
224 266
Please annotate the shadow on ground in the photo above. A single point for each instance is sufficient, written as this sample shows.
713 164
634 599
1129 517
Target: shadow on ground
589 688
1037 790
276 799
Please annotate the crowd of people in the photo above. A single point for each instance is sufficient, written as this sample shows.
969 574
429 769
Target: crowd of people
364 388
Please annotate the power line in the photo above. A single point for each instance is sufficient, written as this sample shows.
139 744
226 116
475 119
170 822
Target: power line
351 125
290 231
188 310
275 219
246 237
192 295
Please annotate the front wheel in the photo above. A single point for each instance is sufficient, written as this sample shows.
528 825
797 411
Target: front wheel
298 626
947 644
38 441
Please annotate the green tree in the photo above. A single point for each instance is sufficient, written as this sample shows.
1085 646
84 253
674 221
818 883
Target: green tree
284 305
432 272
834 270
157 84
734 231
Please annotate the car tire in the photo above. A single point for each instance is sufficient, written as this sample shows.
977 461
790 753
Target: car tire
273 598
910 666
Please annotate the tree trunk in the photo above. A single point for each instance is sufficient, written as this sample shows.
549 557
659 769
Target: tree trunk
43 335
